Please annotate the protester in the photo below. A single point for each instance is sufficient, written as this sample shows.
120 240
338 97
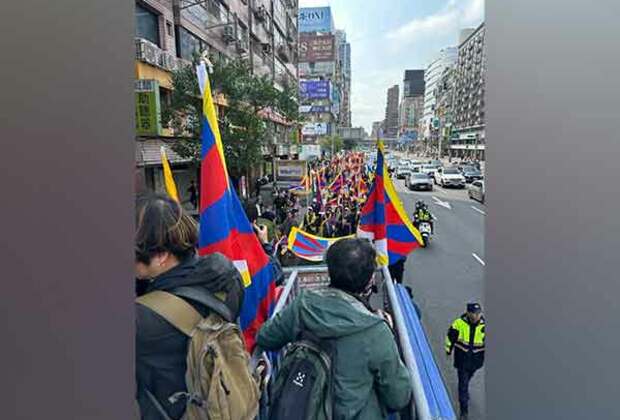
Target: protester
373 382
166 260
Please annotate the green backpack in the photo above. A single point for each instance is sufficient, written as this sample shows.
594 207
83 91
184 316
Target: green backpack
303 386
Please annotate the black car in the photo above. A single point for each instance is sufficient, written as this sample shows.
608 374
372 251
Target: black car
418 181
471 175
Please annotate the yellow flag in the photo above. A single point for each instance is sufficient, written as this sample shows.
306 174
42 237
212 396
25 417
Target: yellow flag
171 187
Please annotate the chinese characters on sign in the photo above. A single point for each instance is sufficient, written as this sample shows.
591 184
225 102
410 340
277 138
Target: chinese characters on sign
313 48
314 89
147 107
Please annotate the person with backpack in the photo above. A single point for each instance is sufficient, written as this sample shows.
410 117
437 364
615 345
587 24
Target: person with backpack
343 362
186 304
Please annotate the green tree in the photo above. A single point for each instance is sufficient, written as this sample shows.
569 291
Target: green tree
349 144
332 143
242 129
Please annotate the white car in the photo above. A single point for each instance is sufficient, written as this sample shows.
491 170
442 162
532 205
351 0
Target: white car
449 177
402 172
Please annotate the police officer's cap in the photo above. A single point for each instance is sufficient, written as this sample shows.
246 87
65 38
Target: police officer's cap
474 308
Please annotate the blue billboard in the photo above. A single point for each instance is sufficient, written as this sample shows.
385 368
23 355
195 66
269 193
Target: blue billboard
315 19
314 89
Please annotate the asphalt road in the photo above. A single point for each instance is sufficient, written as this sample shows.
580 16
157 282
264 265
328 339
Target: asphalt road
448 274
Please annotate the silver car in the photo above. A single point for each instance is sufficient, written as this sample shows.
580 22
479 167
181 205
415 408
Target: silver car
476 191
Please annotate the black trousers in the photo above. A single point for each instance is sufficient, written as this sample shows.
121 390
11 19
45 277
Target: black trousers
464 376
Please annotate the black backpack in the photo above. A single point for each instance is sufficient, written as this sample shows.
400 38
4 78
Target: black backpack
303 387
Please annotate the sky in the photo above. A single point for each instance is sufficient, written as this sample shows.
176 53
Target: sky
389 36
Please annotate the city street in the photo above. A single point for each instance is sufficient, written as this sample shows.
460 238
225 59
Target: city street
448 274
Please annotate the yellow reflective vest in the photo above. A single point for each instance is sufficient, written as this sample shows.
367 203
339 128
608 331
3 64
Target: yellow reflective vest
467 341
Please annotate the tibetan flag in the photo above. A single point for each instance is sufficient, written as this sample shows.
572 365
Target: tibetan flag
318 194
362 189
171 187
224 226
338 183
322 182
309 247
304 185
384 219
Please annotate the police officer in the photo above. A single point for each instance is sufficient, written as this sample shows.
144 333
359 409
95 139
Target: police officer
466 337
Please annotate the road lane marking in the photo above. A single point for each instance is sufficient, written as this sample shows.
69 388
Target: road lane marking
442 203
478 259
478 210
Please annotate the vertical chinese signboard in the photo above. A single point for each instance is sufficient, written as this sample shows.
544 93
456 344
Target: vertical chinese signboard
148 108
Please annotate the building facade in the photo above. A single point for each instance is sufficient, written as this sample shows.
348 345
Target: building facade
412 105
391 112
468 131
413 83
447 57
169 33
319 72
344 58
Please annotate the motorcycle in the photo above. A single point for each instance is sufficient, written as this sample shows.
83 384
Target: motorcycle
426 231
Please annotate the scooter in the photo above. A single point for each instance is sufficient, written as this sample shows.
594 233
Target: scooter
426 231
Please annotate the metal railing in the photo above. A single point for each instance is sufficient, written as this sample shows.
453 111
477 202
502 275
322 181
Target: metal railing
301 277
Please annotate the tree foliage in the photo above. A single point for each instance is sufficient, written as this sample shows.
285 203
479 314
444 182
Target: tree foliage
333 143
242 129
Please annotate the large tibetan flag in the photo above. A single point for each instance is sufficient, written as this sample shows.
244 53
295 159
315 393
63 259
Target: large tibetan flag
309 247
224 226
384 219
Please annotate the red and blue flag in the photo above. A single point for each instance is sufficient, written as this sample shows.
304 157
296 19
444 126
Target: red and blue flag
224 226
384 219
309 247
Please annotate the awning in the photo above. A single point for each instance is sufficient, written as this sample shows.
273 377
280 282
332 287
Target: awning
148 153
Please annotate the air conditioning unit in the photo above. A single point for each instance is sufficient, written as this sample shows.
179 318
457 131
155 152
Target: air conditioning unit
150 54
261 13
169 61
283 52
242 46
266 48
229 33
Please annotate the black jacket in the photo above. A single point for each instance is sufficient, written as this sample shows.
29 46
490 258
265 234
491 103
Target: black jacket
161 349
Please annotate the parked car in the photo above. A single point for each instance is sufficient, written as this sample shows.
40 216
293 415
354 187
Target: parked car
471 174
419 181
476 191
449 177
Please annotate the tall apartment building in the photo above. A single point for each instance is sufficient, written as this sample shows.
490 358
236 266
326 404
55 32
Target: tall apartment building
170 32
344 58
321 74
391 112
413 83
468 134
411 105
446 58
444 107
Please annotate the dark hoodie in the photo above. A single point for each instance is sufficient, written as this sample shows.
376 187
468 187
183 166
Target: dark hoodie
370 378
161 349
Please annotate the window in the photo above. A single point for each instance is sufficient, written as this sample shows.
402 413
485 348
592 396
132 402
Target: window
189 44
147 25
